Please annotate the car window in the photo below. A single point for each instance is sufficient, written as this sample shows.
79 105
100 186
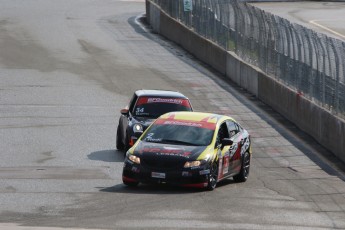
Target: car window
132 102
222 133
179 134
233 128
156 106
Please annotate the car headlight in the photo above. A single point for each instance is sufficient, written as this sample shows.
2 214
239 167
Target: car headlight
134 159
191 164
138 128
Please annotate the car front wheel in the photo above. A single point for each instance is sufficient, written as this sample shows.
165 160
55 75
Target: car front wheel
119 144
213 177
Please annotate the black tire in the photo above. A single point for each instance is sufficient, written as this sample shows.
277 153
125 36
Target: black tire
244 173
213 177
126 143
119 144
126 147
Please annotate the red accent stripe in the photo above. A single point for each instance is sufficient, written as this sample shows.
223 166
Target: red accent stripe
200 185
179 101
171 116
198 124
127 179
206 119
131 142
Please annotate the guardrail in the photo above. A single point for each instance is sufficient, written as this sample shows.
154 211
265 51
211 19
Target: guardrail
327 128
308 62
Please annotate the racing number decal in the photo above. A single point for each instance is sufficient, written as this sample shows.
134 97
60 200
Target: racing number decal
220 164
226 163
139 110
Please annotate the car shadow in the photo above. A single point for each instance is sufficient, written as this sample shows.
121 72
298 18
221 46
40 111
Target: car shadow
112 155
150 189
159 188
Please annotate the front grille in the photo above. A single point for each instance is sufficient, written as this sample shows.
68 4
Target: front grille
165 163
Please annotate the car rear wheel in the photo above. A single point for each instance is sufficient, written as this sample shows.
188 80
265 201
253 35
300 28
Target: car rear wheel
213 177
244 173
119 144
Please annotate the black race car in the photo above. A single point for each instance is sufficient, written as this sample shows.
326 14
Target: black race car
144 107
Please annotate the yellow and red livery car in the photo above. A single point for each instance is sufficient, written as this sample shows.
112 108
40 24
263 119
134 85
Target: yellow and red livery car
190 149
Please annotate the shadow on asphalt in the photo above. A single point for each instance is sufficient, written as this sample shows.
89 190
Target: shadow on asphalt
160 188
112 155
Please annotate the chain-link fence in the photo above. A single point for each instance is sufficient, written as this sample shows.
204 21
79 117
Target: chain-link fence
309 62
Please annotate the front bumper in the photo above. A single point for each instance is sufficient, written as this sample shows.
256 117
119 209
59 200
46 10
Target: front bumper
191 177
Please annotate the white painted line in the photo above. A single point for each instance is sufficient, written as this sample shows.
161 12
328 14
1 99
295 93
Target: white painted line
314 22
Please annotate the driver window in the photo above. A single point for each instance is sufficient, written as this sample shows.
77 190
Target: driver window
132 103
222 133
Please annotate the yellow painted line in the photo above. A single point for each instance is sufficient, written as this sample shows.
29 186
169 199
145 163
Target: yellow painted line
314 22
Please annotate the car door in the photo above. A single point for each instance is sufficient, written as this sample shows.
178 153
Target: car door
222 152
235 148
124 120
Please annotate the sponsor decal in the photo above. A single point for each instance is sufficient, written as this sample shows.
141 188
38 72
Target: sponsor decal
166 152
198 124
245 146
204 172
186 174
158 175
149 100
182 123
220 168
135 169
164 100
226 163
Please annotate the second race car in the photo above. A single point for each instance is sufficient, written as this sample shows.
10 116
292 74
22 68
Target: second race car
144 107
189 149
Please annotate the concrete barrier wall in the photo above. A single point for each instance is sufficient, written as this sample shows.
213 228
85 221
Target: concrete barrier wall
241 73
326 128
153 16
200 47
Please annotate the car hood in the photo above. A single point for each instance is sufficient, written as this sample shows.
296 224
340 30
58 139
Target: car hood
145 121
157 150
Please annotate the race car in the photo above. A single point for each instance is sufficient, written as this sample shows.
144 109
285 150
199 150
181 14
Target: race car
189 149
144 107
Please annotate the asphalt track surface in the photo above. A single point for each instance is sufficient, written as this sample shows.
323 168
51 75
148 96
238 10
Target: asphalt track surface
68 67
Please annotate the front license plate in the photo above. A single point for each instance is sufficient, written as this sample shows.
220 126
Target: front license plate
158 175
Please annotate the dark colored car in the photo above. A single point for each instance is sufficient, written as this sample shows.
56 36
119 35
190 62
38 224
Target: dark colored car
144 107
189 149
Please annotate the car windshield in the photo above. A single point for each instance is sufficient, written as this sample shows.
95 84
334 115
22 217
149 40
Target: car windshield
154 107
178 134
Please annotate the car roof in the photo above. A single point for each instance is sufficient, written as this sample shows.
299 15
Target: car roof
196 116
159 93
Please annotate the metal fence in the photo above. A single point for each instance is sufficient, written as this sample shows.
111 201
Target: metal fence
311 63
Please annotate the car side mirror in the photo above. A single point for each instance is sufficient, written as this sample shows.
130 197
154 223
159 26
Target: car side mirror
226 142
124 111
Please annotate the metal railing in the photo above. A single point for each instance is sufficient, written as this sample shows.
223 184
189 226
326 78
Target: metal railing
311 63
